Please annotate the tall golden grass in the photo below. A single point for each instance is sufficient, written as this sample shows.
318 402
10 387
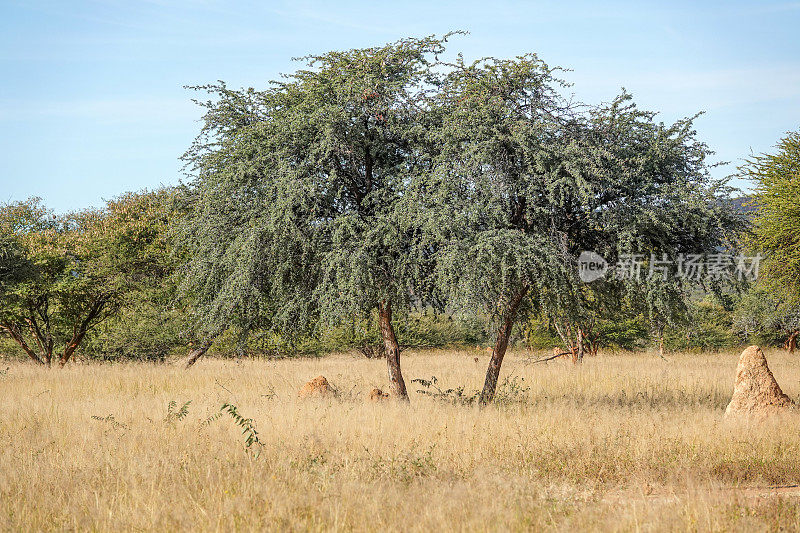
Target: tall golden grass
623 442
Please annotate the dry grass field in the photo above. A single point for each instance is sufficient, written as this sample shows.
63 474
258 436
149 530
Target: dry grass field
625 442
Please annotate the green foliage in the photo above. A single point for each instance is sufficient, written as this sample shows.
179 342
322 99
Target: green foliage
537 333
148 324
622 332
499 125
381 176
175 413
625 333
709 327
777 221
510 391
62 284
251 442
64 275
765 315
525 181
297 205
419 330
145 329
414 330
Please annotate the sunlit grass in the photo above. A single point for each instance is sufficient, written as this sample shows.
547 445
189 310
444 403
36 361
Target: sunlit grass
622 442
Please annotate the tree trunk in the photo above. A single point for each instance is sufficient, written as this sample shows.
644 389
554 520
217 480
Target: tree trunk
79 331
565 334
791 343
70 348
658 330
16 334
392 348
579 345
500 346
198 352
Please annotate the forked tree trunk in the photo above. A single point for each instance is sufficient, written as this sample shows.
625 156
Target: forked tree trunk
576 342
791 343
198 352
500 347
392 348
79 331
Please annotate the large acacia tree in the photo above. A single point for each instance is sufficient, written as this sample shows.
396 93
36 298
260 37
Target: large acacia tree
299 209
526 180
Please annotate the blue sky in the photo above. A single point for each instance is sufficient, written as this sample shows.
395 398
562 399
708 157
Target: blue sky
92 104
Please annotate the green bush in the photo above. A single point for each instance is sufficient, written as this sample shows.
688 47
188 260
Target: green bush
146 332
709 328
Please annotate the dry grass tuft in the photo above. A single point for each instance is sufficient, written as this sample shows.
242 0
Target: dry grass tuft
624 442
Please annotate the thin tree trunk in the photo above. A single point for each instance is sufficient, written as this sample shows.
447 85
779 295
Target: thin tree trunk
791 342
198 352
659 330
566 337
16 334
579 345
594 344
392 349
500 346
45 349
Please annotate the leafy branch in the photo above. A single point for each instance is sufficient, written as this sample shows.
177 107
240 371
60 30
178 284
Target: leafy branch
248 429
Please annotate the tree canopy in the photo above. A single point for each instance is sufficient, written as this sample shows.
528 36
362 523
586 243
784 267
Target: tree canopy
62 275
777 221
774 304
298 194
528 180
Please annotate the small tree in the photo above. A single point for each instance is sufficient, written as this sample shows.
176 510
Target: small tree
148 324
500 130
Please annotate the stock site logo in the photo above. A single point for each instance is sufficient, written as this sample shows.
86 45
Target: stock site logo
591 266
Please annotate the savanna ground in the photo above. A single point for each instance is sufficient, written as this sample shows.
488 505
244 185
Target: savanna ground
624 442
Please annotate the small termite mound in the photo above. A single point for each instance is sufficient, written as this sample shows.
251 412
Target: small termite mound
316 388
377 395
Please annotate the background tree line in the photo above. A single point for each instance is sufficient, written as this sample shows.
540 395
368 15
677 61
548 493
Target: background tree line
380 198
